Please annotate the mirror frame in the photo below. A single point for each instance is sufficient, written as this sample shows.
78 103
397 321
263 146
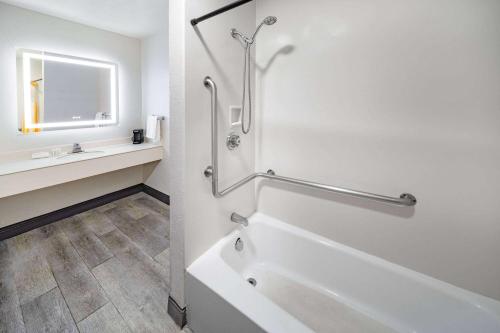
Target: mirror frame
28 55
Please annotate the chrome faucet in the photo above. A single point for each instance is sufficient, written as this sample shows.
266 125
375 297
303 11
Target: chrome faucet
237 218
77 149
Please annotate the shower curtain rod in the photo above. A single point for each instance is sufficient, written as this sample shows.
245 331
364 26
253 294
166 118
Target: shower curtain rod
216 12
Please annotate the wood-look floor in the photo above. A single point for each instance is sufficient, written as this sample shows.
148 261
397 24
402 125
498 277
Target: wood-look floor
105 270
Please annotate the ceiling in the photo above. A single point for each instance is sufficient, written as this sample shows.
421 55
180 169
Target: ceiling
134 18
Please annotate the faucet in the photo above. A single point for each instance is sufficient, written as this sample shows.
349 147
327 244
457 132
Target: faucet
77 149
237 218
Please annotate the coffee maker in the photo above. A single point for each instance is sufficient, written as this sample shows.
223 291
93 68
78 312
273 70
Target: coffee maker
138 136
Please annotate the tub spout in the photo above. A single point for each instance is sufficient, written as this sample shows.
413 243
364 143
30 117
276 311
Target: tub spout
237 218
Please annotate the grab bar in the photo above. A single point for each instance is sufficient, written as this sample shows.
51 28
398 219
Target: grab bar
404 199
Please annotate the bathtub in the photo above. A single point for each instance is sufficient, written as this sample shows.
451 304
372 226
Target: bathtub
287 280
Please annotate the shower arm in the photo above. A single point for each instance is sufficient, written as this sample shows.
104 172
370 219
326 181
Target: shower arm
404 199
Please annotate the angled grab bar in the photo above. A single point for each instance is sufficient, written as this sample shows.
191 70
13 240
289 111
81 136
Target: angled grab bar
404 199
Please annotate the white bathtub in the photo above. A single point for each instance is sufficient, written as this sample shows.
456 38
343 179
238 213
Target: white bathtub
307 283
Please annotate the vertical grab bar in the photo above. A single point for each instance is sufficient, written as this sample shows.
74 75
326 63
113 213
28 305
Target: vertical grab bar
213 170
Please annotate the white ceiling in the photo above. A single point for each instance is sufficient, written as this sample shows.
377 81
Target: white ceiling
134 18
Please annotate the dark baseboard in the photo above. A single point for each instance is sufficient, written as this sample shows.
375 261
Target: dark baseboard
39 221
165 198
177 313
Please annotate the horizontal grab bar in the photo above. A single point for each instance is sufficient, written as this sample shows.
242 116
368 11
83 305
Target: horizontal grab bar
404 199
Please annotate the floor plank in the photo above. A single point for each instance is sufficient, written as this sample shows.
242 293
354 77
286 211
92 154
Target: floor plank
149 241
136 284
81 291
106 319
48 313
99 223
87 244
127 205
164 260
136 261
33 276
11 319
153 205
157 224
143 309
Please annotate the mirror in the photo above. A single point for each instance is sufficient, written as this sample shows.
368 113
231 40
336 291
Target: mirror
57 92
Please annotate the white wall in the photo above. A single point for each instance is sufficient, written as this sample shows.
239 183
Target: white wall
155 98
177 147
196 53
20 28
387 96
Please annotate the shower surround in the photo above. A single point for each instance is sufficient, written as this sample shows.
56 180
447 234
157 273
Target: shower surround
387 97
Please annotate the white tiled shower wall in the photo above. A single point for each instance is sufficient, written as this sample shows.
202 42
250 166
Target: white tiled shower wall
388 97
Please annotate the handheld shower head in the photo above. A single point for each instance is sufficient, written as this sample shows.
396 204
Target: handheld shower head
247 91
270 20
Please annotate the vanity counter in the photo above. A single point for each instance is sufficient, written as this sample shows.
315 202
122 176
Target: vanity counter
27 175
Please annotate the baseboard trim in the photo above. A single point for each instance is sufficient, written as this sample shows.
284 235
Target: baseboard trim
39 221
177 313
165 198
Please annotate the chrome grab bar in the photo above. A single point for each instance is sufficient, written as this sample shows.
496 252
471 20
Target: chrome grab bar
404 199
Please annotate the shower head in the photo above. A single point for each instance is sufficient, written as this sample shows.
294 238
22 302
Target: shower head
270 20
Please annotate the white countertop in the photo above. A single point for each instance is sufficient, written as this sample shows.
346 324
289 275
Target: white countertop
12 167
25 175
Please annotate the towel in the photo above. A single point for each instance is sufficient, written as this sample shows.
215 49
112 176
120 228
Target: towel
153 128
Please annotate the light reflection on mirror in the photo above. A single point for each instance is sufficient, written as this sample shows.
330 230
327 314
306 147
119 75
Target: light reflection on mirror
57 92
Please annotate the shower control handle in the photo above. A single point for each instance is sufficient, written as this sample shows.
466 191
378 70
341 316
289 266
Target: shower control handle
233 141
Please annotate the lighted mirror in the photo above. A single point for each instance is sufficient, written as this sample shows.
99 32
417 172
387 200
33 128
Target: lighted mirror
58 92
